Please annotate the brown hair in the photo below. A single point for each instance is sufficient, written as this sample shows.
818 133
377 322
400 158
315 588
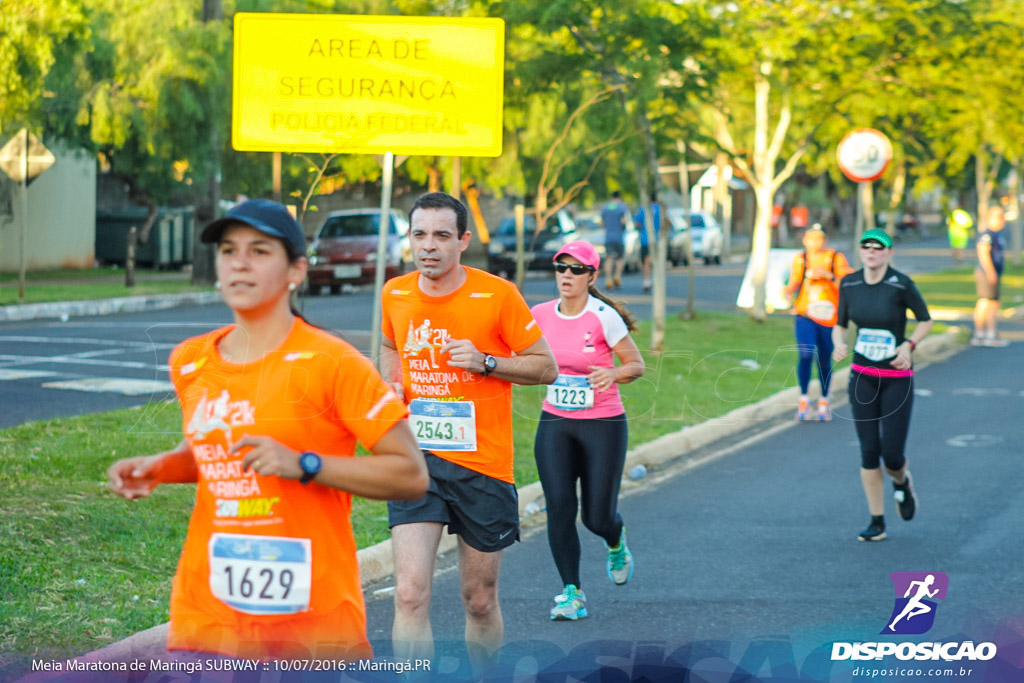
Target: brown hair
619 307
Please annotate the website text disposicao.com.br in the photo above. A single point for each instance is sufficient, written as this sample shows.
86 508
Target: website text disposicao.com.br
906 671
950 654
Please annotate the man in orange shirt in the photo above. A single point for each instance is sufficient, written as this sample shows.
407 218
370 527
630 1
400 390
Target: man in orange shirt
272 409
455 340
814 283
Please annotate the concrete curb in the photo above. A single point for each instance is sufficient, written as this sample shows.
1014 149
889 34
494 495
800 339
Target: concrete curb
377 561
123 304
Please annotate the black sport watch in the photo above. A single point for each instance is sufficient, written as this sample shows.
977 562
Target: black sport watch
310 463
490 364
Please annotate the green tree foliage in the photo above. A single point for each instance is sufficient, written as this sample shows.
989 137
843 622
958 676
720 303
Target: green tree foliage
157 89
31 35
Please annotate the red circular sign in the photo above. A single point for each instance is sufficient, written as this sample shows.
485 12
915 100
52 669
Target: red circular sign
864 154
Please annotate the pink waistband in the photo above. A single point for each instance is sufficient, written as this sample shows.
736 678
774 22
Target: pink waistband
880 372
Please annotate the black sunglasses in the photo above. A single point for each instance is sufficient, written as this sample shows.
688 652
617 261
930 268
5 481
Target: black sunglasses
574 268
873 246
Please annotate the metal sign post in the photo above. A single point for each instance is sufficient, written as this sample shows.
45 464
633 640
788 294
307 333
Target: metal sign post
863 156
382 249
24 158
24 216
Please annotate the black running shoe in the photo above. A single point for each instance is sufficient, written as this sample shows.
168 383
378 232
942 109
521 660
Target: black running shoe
906 499
875 530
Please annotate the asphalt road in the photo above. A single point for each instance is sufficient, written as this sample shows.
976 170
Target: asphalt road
52 369
749 564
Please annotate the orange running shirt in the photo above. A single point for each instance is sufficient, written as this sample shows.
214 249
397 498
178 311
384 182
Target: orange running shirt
486 310
269 565
823 295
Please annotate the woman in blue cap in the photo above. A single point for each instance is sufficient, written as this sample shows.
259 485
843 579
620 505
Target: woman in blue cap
272 410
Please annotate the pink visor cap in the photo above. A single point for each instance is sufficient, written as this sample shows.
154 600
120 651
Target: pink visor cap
584 252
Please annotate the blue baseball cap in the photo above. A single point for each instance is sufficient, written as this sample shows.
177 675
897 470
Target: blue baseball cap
269 217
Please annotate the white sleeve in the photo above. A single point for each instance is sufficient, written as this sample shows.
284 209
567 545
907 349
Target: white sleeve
614 326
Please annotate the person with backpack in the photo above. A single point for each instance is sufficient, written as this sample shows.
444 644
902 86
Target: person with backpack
814 290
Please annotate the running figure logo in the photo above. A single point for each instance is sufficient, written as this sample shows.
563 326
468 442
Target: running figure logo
588 346
418 339
914 612
210 416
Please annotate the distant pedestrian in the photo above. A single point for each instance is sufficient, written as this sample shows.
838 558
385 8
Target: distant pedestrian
614 216
645 249
272 409
814 288
583 432
958 227
986 278
876 299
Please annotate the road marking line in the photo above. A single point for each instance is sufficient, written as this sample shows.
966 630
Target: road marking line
114 385
6 374
85 340
71 360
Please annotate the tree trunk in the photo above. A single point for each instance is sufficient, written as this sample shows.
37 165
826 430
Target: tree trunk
760 251
985 182
723 202
980 171
434 177
691 279
203 268
129 258
151 212
658 295
1016 240
764 172
899 186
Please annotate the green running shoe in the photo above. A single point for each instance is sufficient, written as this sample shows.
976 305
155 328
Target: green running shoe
570 605
620 561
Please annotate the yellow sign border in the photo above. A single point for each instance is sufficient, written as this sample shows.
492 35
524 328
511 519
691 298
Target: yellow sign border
246 137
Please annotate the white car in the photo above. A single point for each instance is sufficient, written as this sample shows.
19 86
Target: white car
705 234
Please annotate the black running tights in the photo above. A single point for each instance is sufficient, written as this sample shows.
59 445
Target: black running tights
881 413
592 451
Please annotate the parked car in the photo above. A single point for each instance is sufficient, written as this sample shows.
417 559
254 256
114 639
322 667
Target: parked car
906 223
344 249
539 249
705 235
590 228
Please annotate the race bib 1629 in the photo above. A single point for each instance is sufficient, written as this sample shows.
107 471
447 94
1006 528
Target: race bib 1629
261 574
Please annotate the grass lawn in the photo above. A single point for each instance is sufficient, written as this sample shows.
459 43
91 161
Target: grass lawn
81 568
955 288
67 284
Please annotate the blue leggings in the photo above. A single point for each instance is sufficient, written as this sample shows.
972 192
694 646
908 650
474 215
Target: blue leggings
811 337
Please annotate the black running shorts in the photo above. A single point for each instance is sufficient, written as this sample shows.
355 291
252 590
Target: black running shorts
483 510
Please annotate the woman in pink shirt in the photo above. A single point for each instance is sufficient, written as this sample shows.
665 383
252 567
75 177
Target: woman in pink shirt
583 432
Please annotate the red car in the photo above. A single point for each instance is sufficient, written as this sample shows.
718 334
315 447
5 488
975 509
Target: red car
344 249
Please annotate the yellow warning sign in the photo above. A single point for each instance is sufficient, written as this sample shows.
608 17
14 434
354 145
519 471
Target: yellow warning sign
368 84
